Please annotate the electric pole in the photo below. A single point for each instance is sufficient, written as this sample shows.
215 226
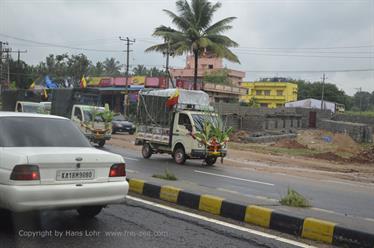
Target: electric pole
323 90
168 76
359 90
18 65
126 100
1 64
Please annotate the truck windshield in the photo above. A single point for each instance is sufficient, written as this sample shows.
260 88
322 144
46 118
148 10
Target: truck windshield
200 119
89 117
40 132
31 108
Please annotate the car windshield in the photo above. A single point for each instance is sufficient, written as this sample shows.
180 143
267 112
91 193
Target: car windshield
88 116
40 132
199 120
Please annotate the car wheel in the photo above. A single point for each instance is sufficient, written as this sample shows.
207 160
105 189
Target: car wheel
146 151
89 211
101 143
180 155
210 161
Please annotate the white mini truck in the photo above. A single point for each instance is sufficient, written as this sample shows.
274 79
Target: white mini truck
47 163
171 129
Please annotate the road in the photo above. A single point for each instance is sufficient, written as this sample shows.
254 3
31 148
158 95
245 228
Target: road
346 203
135 223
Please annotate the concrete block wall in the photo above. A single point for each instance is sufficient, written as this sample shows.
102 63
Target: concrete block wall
359 132
355 119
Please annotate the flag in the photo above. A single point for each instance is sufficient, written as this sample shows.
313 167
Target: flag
173 99
49 83
32 86
44 95
83 82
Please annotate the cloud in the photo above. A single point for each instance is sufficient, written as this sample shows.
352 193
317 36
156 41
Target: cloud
260 24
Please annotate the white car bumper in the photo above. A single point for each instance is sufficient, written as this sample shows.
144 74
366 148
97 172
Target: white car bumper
64 196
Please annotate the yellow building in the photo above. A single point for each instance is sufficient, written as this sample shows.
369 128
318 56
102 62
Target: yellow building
270 94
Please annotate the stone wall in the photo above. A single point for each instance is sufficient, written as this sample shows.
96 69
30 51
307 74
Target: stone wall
263 119
359 132
355 118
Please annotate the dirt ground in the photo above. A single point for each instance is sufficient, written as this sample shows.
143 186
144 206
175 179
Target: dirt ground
325 165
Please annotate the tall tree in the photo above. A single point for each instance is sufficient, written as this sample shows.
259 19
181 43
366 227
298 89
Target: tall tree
195 33
140 70
112 67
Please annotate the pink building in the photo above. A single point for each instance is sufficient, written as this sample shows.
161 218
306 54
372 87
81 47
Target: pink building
208 64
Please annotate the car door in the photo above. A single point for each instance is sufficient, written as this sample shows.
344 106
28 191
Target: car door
182 131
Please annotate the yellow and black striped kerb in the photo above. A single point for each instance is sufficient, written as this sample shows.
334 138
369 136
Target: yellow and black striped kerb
309 228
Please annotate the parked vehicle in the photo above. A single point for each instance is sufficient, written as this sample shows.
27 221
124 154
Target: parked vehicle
81 106
168 121
47 163
27 107
120 124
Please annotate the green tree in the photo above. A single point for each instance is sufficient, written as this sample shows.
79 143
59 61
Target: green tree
77 66
112 67
217 77
140 70
361 101
195 32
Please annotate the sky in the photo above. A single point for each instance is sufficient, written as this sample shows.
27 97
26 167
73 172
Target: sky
300 39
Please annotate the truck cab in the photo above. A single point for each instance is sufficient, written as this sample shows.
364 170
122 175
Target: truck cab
185 145
91 123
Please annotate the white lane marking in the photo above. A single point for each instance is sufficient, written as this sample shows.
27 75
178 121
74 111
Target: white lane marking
240 228
134 159
235 178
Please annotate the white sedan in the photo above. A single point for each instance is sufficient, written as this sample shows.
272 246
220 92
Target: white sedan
47 163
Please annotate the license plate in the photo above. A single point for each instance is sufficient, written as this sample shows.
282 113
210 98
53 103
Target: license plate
68 175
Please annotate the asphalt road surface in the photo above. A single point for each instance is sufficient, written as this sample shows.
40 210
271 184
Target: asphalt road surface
346 203
132 224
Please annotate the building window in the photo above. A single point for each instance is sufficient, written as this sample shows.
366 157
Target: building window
210 66
258 92
267 92
263 105
279 92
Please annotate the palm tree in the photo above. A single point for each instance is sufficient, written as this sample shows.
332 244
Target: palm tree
112 67
195 32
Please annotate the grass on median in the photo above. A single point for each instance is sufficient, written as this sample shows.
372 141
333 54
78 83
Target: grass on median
294 199
168 175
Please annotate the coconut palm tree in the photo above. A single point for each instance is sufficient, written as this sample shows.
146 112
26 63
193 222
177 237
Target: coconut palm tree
195 33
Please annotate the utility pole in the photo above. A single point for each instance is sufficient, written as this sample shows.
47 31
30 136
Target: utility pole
168 76
126 100
360 95
18 65
323 90
1 64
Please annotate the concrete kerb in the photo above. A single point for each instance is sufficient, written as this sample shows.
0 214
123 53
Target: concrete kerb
309 228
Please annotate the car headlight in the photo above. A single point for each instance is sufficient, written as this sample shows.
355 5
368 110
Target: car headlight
223 146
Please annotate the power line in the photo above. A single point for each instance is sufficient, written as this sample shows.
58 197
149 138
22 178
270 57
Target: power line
58 45
306 56
311 71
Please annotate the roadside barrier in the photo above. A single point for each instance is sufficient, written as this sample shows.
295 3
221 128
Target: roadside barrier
309 228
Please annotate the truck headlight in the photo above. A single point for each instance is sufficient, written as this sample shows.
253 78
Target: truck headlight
200 145
223 146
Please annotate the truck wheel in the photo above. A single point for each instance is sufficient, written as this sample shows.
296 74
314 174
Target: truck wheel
179 155
101 143
210 161
146 151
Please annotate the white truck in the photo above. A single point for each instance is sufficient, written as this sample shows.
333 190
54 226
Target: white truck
80 105
173 129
